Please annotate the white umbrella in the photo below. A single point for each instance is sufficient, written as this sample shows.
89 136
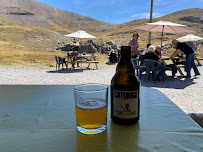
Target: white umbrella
164 27
80 34
189 37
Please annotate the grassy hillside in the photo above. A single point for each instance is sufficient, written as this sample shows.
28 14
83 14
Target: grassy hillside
20 45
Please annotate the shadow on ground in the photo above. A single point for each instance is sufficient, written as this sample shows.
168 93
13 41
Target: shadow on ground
76 70
66 71
175 83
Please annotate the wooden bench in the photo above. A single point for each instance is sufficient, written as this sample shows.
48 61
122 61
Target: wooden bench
84 61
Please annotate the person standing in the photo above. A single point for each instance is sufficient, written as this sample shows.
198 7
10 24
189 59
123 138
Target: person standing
189 52
134 45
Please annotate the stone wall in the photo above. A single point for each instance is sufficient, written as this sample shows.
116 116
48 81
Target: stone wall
196 45
91 47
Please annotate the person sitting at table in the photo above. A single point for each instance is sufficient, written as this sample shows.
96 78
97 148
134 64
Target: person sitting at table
153 56
112 57
189 63
158 50
142 57
146 50
75 47
173 68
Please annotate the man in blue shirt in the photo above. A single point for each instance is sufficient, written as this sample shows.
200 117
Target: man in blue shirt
189 52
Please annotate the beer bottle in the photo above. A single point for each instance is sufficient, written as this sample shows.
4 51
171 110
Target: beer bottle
125 91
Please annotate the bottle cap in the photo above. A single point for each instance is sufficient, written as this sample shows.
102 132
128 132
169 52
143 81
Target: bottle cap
126 49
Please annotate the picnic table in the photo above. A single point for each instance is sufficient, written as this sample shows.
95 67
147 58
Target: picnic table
42 119
82 59
174 60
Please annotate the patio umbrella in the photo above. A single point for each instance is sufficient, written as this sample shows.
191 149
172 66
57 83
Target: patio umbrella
80 34
189 37
164 27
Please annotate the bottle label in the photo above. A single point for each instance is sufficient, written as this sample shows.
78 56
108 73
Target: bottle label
125 104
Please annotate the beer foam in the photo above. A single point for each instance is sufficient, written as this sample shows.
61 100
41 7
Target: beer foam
91 103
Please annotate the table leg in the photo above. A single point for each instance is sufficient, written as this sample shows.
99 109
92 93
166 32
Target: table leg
88 65
94 59
67 63
96 66
180 71
91 60
73 64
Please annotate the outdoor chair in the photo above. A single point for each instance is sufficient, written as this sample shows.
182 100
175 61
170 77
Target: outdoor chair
60 61
139 69
63 62
151 68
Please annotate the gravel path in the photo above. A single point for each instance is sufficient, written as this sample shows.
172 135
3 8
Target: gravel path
186 93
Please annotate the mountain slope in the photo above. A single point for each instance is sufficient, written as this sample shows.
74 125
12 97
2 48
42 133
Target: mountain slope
194 15
39 12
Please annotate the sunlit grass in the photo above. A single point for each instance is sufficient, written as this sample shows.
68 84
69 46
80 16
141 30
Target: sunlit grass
20 45
14 55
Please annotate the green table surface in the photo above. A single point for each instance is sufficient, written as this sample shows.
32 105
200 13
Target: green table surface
42 119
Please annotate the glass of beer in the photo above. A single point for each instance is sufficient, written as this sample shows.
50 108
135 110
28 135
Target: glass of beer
91 108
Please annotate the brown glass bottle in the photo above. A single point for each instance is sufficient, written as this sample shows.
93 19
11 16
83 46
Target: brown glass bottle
125 91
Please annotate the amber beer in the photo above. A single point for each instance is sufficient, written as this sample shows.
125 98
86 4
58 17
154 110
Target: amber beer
125 91
91 113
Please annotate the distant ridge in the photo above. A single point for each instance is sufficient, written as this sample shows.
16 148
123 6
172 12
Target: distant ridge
33 13
194 15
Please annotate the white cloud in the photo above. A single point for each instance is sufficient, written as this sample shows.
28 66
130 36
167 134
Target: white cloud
145 15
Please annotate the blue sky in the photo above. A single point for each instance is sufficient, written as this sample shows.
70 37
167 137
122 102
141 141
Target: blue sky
121 11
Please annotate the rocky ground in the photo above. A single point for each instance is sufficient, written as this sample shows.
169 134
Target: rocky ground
185 93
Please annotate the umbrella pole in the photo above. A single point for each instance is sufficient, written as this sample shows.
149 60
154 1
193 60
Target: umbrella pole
151 10
162 39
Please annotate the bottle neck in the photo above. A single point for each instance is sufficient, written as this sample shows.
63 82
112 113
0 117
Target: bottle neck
125 59
125 65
